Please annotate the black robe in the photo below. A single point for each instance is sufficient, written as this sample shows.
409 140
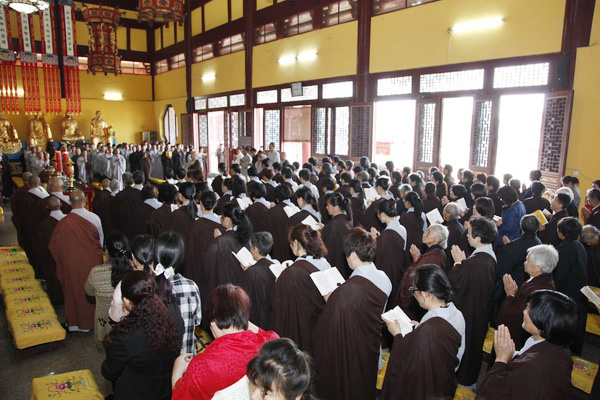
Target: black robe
297 304
279 226
346 341
98 199
456 230
594 218
541 373
24 213
593 265
371 220
106 216
358 210
391 258
533 204
472 284
180 222
46 262
258 215
159 220
421 364
414 229
128 215
333 237
217 185
258 281
549 235
15 200
200 235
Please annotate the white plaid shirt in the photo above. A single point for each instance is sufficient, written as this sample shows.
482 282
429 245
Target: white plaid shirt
187 297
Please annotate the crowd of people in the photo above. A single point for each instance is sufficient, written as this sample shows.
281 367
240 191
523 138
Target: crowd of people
491 260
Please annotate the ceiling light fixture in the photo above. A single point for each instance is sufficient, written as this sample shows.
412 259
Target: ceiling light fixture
113 96
25 6
287 60
208 77
307 56
476 25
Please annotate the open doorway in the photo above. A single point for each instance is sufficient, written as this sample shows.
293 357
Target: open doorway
394 132
216 137
297 133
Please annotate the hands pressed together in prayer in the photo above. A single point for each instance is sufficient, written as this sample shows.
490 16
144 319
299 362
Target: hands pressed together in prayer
505 240
217 233
457 254
374 233
503 345
415 252
510 286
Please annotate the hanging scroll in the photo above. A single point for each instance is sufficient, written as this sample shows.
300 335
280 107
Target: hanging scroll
50 61
71 62
29 73
9 101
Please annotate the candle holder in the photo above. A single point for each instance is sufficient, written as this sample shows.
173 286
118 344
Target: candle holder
70 172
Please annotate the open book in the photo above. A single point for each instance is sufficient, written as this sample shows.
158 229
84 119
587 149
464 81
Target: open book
462 204
593 297
434 217
291 210
541 216
370 194
237 391
496 218
396 314
244 202
310 221
244 257
277 268
327 281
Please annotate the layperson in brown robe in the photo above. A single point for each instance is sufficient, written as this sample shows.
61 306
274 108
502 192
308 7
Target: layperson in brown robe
541 370
106 207
590 235
200 235
218 264
441 188
357 202
160 218
391 255
15 199
24 211
371 218
41 210
258 280
76 247
341 221
456 230
422 363
44 256
296 300
413 219
347 336
259 211
344 188
431 201
327 187
227 196
541 261
435 238
548 233
266 177
472 281
100 195
181 219
126 208
217 183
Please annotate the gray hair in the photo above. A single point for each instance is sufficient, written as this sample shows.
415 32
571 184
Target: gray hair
405 188
589 232
114 185
543 256
363 176
440 232
261 241
565 190
127 179
453 209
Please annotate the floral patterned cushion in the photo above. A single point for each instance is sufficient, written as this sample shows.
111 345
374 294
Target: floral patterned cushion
72 385
36 330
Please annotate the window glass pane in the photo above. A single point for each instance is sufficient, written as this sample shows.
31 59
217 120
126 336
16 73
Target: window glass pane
452 81
203 129
342 129
521 75
266 97
338 90
237 100
272 127
457 118
392 86
519 134
309 93
481 133
217 102
234 129
162 66
296 124
394 132
426 132
199 104
319 127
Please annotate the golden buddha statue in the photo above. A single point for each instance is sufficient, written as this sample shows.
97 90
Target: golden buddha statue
39 131
69 129
100 131
9 139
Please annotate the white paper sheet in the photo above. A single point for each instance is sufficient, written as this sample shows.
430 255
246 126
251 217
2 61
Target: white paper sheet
244 257
327 281
396 314
434 217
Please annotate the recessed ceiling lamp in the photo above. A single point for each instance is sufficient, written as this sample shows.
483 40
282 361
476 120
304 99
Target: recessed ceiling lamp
113 96
476 25
25 6
209 77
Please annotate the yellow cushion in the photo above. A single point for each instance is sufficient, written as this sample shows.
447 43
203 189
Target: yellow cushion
7 281
157 181
35 309
204 338
19 299
72 385
18 181
593 324
462 393
583 374
30 332
385 355
5 256
20 287
10 249
489 340
17 269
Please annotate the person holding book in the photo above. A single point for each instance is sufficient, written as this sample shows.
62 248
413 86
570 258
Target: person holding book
512 212
422 364
548 233
414 219
340 211
346 339
296 301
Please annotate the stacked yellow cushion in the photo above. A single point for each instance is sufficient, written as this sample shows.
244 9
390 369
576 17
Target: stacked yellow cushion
71 385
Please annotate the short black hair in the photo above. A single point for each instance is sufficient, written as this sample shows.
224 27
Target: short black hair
383 183
282 192
252 171
256 190
236 167
287 172
138 177
468 174
432 279
554 315
530 223
493 182
169 174
167 193
570 227
208 200
238 186
304 174
478 190
328 183
537 188
594 194
484 229
222 167
508 195
535 175
180 173
262 241
361 242
345 177
564 200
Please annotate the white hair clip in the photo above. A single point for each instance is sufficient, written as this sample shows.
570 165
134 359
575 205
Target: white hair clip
159 270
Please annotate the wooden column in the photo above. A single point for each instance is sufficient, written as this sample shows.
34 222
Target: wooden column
249 9
365 8
576 33
189 54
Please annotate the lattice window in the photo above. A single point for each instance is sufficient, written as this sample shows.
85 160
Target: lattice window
234 129
385 6
272 127
298 23
452 81
396 85
319 130
203 129
266 97
426 132
265 33
237 100
555 115
133 67
162 66
217 102
329 129
338 90
199 104
342 130
338 12
231 44
482 128
178 61
521 75
360 130
308 93
203 53
170 125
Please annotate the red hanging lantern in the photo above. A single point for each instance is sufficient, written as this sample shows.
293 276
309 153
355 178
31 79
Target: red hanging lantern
102 23
161 11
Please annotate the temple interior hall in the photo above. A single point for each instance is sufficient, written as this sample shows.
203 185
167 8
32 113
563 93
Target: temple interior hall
497 87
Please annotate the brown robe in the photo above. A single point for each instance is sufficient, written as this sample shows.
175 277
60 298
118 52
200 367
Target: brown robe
258 281
346 341
258 215
127 212
344 190
99 197
15 200
201 234
391 258
279 226
358 210
270 192
159 220
511 311
297 304
434 255
421 364
431 203
371 220
472 283
456 230
46 262
414 229
106 215
226 198
541 373
75 246
180 222
333 237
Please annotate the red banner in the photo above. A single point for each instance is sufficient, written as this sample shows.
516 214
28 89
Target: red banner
9 102
29 72
50 61
383 148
